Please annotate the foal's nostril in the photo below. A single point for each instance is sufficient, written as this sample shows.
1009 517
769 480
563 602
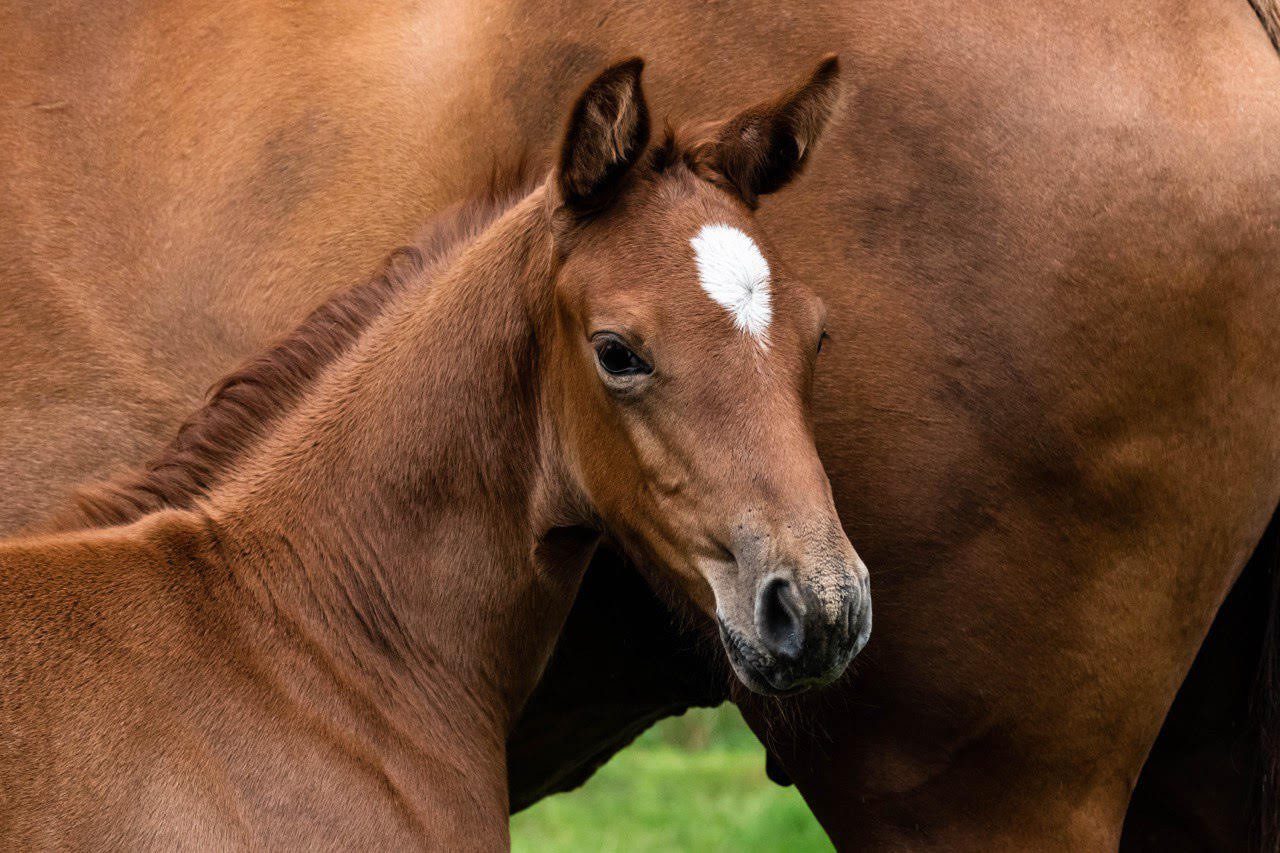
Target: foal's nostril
779 618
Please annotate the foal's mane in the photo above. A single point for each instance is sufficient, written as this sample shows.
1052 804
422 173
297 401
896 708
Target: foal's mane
240 409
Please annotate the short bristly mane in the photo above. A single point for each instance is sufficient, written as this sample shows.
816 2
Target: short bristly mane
241 407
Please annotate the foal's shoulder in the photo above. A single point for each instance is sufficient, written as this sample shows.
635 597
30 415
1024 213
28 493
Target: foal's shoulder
121 565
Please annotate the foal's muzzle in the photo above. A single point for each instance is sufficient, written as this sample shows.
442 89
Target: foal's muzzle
802 636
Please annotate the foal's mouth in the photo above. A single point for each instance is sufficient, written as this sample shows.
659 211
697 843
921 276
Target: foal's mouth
767 674
751 665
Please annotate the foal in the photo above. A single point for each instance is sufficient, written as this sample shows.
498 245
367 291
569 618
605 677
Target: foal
341 582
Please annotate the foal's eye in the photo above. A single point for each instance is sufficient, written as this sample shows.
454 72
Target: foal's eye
822 339
617 359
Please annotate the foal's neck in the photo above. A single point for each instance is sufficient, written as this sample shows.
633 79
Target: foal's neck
404 521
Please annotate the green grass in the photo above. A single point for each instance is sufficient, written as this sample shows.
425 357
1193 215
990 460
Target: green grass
690 783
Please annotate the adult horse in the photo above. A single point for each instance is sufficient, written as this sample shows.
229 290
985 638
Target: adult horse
332 601
1048 248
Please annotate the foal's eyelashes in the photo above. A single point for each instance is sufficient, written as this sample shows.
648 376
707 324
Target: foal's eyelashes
619 363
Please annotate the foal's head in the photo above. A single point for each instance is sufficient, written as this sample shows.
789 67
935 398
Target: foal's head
683 358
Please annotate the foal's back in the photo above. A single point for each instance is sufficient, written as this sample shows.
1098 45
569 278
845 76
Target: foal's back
101 641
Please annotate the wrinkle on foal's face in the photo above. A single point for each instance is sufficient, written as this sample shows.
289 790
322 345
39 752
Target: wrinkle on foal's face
692 359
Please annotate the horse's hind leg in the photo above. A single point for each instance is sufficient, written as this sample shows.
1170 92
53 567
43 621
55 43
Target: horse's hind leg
1198 788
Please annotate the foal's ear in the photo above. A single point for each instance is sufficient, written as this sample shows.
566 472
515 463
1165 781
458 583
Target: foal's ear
607 132
762 148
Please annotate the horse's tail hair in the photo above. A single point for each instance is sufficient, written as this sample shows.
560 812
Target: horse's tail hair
1268 12
1266 702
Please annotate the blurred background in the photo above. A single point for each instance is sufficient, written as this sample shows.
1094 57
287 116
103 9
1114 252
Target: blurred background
694 782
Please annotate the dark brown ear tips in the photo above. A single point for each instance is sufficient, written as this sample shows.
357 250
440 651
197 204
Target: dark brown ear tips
608 130
762 148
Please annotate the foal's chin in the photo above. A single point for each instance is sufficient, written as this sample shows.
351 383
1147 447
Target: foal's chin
767 675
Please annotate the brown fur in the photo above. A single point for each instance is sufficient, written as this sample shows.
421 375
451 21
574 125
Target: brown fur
1045 236
314 618
781 134
242 406
1268 13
